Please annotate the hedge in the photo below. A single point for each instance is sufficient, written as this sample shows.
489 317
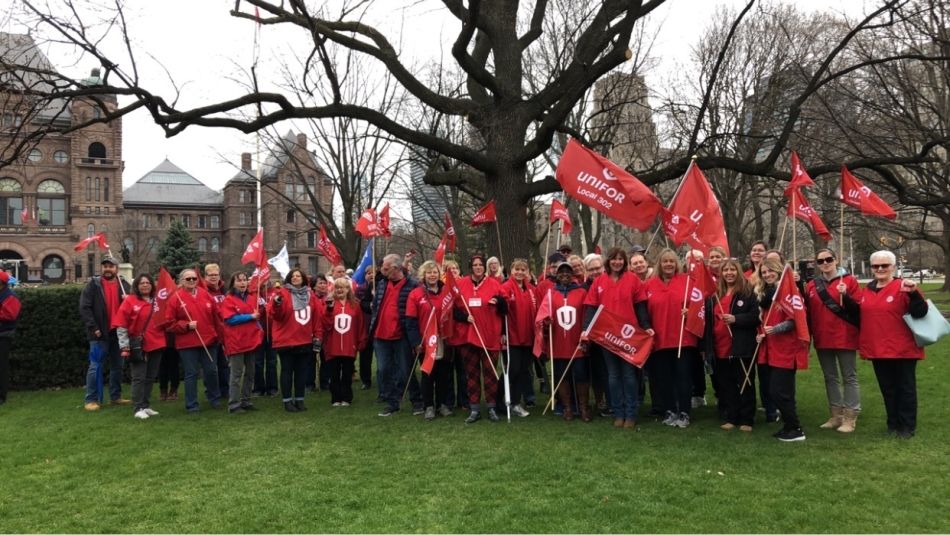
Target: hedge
49 348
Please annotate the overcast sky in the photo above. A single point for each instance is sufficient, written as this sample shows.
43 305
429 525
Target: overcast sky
207 51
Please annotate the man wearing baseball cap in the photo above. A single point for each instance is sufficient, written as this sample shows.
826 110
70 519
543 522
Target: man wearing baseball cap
99 301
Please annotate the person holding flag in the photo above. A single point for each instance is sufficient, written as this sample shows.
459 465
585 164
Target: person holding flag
675 348
344 335
621 292
168 372
732 320
452 345
215 286
9 314
297 324
569 354
429 309
522 309
194 320
242 336
141 341
783 342
835 333
98 304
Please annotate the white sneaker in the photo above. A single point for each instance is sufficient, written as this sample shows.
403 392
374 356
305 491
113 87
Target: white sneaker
698 401
518 410
670 418
682 421
337 404
150 412
344 403
141 414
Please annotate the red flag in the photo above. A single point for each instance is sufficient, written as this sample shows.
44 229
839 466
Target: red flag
260 275
606 187
800 208
384 221
800 177
696 202
677 228
367 226
857 195
544 313
597 249
99 239
165 289
201 280
559 213
327 249
485 214
449 234
25 215
790 300
255 249
701 285
430 343
439 255
611 332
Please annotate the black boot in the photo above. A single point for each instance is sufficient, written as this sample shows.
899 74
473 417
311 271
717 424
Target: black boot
300 406
290 407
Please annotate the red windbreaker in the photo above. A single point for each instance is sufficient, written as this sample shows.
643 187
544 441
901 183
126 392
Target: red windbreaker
566 322
522 310
343 331
294 327
138 317
828 330
486 316
665 301
618 296
242 337
884 335
199 307
782 350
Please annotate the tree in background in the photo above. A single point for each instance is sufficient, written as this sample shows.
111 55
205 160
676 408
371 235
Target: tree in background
177 250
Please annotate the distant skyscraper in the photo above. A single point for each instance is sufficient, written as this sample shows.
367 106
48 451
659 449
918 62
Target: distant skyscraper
428 202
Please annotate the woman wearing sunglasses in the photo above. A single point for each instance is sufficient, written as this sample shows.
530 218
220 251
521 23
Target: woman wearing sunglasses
888 342
194 317
835 333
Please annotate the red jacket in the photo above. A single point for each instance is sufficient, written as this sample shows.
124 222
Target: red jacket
245 336
487 319
665 302
617 296
294 327
828 330
522 310
566 322
133 315
199 307
421 302
782 350
343 331
884 335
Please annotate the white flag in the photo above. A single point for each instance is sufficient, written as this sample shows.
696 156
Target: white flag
281 262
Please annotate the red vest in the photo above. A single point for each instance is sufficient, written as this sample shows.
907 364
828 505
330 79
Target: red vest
199 307
522 310
487 320
133 315
343 331
387 322
243 337
665 302
828 330
884 335
294 327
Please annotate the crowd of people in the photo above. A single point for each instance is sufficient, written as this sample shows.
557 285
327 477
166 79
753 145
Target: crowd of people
321 327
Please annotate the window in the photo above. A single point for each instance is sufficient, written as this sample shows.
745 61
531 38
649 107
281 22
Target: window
247 219
90 230
105 210
88 189
202 221
60 156
186 220
215 245
11 120
11 202
51 211
97 150
98 191
51 186
291 239
312 264
250 196
311 240
53 268
296 192
105 189
243 219
35 155
161 220
241 196
98 210
89 210
215 221
151 244
145 221
129 244
202 245
291 215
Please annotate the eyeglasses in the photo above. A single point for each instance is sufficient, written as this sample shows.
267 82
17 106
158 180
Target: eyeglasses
880 266
826 260
190 279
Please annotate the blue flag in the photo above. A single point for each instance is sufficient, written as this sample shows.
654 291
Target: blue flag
360 274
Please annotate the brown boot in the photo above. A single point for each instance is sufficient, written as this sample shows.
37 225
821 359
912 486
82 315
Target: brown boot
583 400
836 417
564 395
849 420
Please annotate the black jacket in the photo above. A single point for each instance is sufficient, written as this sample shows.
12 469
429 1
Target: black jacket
92 308
743 330
403 297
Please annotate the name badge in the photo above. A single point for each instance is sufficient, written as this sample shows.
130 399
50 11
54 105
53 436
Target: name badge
474 302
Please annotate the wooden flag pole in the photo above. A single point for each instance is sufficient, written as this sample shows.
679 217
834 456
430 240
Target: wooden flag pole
679 349
794 227
550 404
480 339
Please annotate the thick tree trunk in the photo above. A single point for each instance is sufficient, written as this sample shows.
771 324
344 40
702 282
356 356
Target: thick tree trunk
945 245
512 232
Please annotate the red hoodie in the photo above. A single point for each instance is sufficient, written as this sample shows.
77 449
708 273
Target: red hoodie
665 302
343 331
291 327
243 337
522 310
199 307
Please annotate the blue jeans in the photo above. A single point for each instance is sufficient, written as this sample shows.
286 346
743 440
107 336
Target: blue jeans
194 359
110 349
394 360
623 388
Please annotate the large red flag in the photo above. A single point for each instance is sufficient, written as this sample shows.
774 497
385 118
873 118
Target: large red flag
606 187
855 194
449 234
559 213
384 221
799 207
255 249
367 225
430 343
623 339
701 285
327 249
99 239
788 297
485 214
696 202
166 288
544 313
800 177
439 255
677 228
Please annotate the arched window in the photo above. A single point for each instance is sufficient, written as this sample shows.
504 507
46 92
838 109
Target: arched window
53 269
202 245
97 150
215 245
11 202
51 203
36 155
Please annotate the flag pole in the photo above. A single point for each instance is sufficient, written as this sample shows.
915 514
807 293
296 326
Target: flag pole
507 368
679 348
501 257
550 403
781 240
794 227
200 338
551 348
723 311
692 162
758 344
480 339
841 247
415 359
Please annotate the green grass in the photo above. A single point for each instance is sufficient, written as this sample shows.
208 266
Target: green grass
346 470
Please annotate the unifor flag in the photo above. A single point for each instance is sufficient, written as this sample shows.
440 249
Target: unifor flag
559 213
165 289
431 343
701 285
383 221
611 332
327 249
99 239
606 187
439 255
255 249
260 275
800 177
449 234
788 297
696 202
359 275
367 225
485 214
855 194
677 228
799 207
543 315
281 262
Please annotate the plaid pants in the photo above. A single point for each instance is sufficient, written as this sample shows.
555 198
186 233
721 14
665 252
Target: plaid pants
476 365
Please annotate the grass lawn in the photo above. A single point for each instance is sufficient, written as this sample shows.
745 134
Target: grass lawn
346 470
